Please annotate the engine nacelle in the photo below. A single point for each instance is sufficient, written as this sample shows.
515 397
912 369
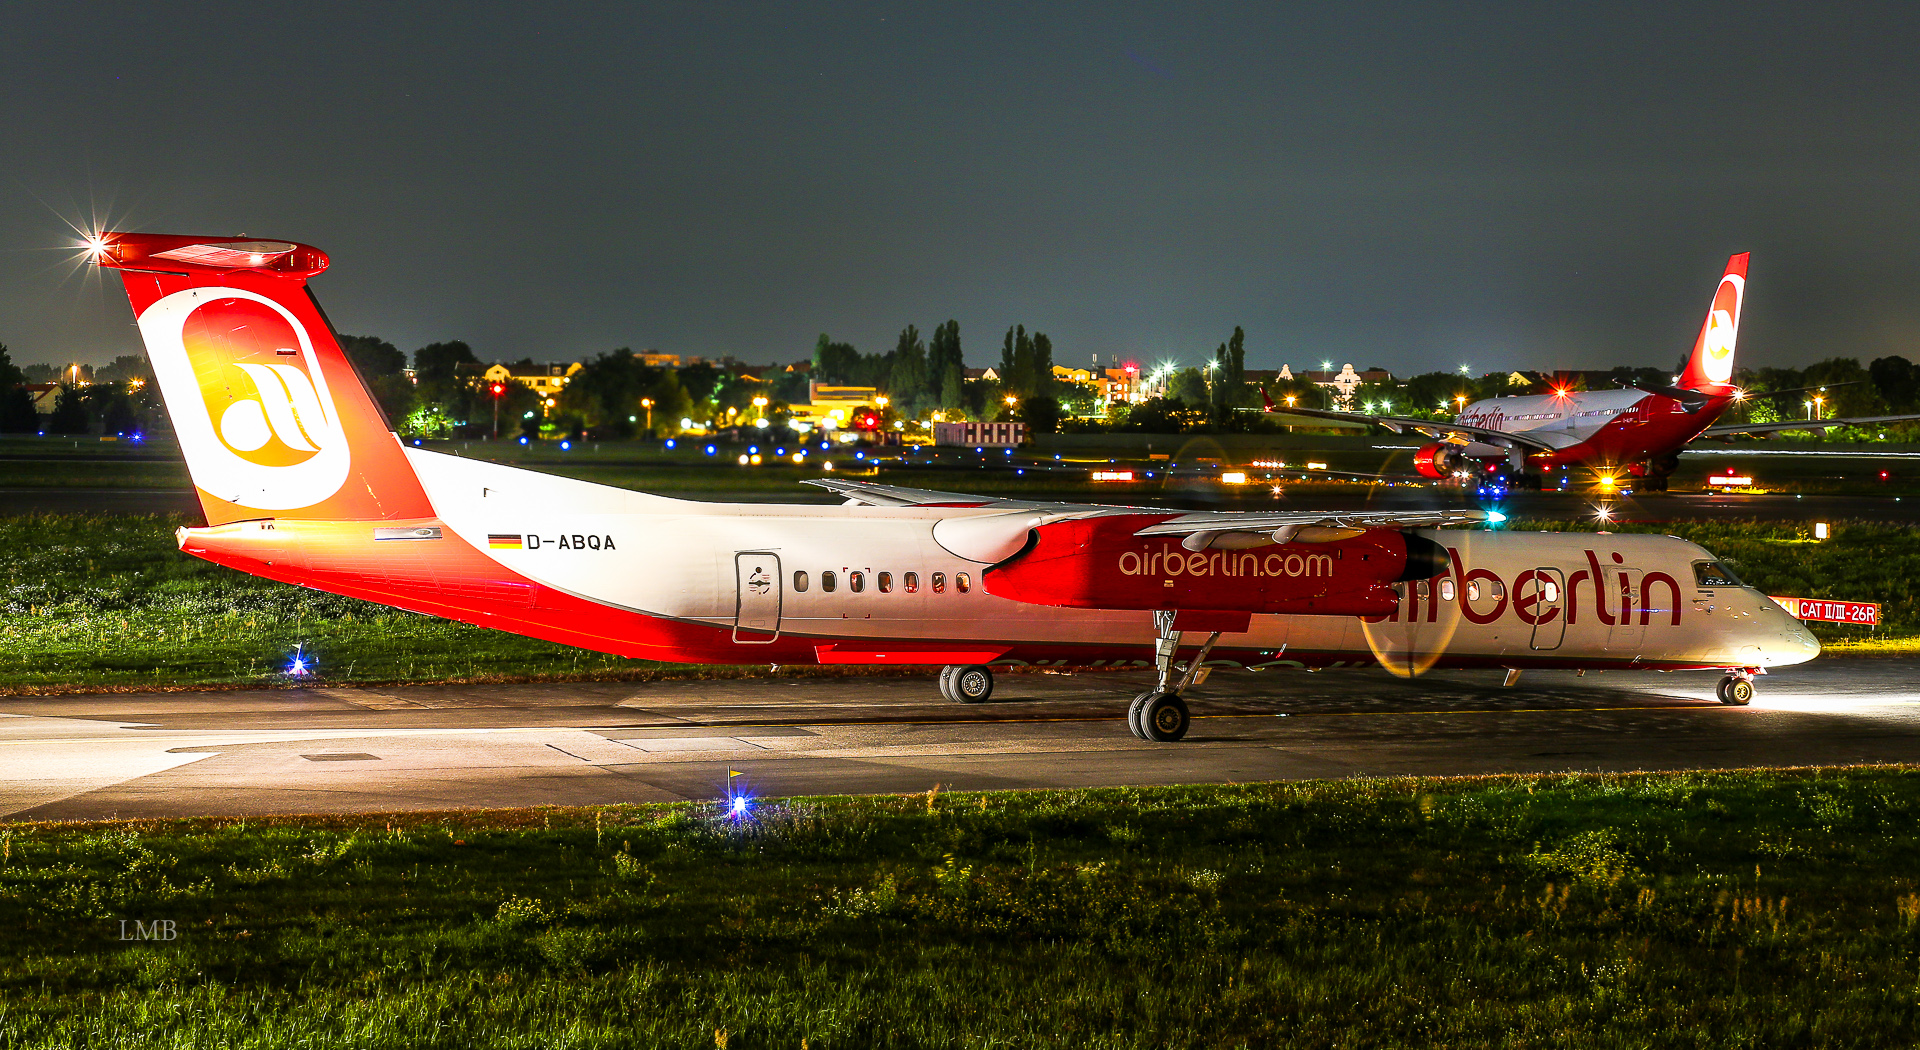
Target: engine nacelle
1438 460
1098 563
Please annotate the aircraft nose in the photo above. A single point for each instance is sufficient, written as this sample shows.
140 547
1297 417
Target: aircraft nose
1789 641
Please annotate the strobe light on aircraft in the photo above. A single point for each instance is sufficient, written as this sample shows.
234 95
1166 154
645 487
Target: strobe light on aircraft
1105 563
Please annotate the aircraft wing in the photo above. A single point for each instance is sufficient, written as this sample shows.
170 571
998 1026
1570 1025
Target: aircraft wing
1293 521
1434 428
1805 424
871 495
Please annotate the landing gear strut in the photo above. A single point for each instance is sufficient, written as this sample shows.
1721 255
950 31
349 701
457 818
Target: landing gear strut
1736 689
968 684
1159 714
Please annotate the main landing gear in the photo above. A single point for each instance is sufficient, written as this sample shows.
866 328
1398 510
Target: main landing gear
1736 689
1159 714
968 684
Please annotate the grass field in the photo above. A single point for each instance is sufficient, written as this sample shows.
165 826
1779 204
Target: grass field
109 601
1761 909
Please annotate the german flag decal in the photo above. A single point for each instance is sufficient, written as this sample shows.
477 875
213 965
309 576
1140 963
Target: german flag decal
498 542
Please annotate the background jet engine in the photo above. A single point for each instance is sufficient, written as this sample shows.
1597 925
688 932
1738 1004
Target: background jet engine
1438 460
1099 563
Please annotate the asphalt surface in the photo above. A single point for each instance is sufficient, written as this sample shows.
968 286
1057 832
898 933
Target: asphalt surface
333 750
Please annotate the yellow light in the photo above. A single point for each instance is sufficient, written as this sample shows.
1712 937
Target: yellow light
881 401
799 457
1234 477
1820 531
759 402
755 460
1291 400
1010 400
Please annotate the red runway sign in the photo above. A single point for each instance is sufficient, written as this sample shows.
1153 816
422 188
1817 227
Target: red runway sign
1832 612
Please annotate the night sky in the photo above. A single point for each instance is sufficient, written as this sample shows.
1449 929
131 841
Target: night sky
1417 186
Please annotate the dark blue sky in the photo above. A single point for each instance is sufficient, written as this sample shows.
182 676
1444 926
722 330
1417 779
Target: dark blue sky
1409 185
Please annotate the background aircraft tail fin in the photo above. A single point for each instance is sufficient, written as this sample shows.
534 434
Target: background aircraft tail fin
272 418
1712 362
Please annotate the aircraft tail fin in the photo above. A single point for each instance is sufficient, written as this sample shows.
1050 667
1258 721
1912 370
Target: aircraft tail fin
1712 362
271 416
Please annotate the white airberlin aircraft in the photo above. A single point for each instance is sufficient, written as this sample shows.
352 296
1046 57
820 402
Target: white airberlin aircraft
303 481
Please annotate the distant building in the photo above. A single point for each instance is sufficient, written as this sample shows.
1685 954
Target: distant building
980 435
980 373
1342 383
656 359
44 395
831 406
545 380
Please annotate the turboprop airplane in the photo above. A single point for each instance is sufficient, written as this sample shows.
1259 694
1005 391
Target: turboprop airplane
302 481
1632 433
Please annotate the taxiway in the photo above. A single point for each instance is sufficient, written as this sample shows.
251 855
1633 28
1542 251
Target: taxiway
331 750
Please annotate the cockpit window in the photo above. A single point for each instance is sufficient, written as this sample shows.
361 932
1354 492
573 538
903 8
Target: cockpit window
1713 574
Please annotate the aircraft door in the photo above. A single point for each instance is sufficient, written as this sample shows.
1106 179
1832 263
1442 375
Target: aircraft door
1624 596
1548 598
756 616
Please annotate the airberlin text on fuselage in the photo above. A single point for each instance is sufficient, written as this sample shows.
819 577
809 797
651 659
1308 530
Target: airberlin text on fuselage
574 541
1537 596
1224 563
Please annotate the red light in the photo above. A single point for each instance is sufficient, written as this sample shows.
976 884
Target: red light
498 389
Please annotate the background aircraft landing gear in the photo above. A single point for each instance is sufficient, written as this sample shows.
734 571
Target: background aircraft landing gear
1159 714
1735 690
970 684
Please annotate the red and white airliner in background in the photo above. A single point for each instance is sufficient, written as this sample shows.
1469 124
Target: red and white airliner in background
303 481
1631 435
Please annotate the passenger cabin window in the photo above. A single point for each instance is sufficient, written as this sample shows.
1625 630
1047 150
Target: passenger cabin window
799 579
885 581
911 581
962 582
1713 574
856 581
827 581
1446 590
939 582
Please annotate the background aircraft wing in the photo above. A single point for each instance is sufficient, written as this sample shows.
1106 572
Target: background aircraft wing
1433 428
1805 424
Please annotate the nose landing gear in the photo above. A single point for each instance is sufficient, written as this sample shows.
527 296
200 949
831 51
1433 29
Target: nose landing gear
1159 714
1736 689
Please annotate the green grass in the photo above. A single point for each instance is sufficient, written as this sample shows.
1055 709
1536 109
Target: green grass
1761 909
108 601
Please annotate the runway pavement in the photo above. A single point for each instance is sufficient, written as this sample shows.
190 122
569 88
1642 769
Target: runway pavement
1639 507
335 750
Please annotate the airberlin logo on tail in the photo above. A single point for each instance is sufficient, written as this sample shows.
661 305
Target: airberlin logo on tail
1723 326
248 398
281 424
